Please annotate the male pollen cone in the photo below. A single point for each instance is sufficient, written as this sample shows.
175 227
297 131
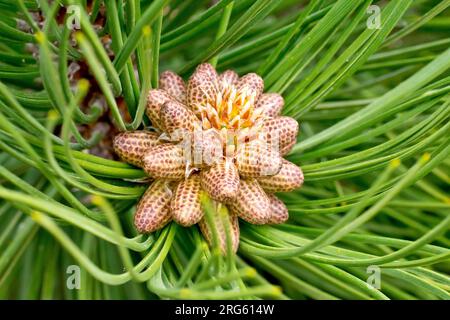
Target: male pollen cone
218 134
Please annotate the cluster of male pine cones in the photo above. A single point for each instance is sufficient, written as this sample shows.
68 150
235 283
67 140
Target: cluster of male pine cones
219 135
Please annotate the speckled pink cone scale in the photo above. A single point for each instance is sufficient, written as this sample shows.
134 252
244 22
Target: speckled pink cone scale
252 83
174 85
152 212
281 131
130 146
228 78
251 203
185 206
156 98
201 89
289 178
218 135
271 103
177 120
164 161
279 211
221 181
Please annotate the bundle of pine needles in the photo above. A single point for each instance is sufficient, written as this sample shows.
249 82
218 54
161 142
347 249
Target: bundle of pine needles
367 80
